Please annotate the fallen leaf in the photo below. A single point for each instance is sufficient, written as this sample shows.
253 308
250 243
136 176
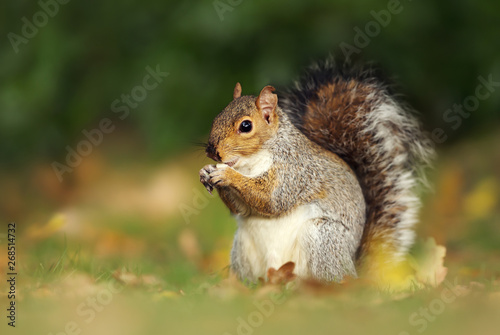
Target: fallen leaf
55 223
430 269
166 295
131 279
481 202
188 243
74 285
227 288
281 276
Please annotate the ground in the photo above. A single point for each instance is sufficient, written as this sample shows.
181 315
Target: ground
127 248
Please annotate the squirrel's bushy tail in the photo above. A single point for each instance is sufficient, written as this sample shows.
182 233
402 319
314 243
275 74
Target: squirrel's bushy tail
354 114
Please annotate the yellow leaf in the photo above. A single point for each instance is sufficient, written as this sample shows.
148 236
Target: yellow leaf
56 223
482 200
166 295
430 269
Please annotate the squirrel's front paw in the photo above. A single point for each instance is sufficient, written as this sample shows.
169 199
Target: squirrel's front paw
219 177
214 176
205 177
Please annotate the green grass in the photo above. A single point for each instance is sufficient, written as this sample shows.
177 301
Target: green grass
174 272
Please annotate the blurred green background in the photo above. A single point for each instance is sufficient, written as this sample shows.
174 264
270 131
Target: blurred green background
64 79
133 210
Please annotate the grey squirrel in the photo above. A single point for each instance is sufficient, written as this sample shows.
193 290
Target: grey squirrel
322 175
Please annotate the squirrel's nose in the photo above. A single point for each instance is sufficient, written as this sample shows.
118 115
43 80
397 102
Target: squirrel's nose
212 153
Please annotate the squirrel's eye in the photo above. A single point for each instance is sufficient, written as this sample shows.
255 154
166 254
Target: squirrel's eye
246 126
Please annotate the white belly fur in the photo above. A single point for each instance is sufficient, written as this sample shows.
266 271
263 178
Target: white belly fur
271 242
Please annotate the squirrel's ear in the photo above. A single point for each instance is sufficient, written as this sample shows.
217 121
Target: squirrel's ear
237 91
266 103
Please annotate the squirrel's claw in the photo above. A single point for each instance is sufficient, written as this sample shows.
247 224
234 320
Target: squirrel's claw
209 188
205 178
212 176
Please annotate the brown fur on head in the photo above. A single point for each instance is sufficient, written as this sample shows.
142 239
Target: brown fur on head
243 126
